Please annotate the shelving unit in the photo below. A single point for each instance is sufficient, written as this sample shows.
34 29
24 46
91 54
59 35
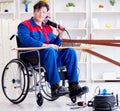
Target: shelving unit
23 15
76 23
105 24
8 27
6 10
84 19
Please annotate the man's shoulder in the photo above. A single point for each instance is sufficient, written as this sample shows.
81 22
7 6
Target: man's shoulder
26 22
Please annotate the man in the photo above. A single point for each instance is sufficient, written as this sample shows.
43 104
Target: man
34 33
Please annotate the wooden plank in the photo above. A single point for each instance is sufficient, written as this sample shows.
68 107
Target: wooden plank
103 57
94 42
91 41
40 48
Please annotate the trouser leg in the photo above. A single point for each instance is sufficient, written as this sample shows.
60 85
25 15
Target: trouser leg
68 58
49 61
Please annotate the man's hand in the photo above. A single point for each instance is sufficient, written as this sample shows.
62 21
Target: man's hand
51 45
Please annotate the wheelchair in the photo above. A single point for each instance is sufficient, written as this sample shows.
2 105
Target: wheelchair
21 76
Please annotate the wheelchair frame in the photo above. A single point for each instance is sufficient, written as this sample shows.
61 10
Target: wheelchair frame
24 85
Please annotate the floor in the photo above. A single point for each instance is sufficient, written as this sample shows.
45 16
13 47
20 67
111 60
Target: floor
62 104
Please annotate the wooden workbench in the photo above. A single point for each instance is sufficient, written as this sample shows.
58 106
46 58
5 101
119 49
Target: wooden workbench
112 43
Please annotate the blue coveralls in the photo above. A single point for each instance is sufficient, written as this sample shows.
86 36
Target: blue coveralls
31 35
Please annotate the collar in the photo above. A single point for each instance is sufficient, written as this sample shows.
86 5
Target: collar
33 22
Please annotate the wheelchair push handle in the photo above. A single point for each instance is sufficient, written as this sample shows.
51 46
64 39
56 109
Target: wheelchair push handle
12 36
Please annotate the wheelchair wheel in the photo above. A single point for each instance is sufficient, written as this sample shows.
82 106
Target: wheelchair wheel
73 99
46 89
46 92
39 99
15 81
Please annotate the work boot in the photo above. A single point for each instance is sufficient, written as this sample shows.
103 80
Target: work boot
76 90
57 90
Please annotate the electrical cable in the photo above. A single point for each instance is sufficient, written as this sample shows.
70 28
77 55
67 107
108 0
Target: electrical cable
96 90
68 35
71 42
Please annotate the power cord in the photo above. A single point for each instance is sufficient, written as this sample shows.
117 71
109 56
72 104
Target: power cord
68 35
98 90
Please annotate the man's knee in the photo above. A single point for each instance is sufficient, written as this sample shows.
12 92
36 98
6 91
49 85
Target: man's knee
50 51
71 51
50 54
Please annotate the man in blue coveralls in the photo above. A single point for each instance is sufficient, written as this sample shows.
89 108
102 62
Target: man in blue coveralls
34 33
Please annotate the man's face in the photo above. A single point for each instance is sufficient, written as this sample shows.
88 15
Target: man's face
40 14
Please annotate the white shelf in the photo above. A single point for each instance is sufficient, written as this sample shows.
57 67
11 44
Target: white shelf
6 1
82 80
98 80
106 12
68 12
26 13
101 62
106 80
85 29
106 29
82 63
10 6
6 13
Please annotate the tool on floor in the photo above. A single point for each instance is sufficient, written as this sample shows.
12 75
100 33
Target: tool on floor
80 104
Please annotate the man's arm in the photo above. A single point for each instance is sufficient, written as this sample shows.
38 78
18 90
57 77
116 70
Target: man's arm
25 38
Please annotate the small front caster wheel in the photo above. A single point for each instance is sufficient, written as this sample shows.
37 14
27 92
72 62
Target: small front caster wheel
39 99
73 99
